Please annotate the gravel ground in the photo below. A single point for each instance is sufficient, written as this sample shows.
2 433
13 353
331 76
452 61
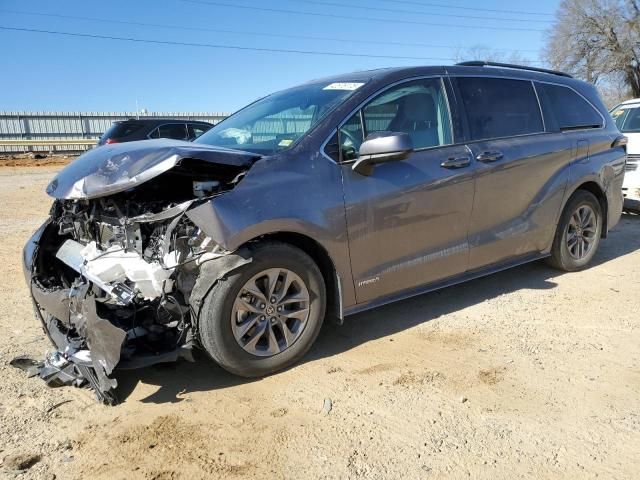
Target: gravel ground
34 160
524 374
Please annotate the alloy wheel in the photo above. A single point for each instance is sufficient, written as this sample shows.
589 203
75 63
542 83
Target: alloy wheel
270 312
581 232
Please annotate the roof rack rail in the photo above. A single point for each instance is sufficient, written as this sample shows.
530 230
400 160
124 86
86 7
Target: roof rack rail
481 63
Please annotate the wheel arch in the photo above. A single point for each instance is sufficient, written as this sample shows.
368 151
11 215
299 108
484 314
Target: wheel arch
322 259
597 191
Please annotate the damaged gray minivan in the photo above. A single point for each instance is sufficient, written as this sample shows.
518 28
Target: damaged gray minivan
323 200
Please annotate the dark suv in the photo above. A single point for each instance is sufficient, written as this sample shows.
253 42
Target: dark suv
326 199
149 128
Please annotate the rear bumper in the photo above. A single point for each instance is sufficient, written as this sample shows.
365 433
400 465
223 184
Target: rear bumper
631 192
632 173
631 187
615 201
631 199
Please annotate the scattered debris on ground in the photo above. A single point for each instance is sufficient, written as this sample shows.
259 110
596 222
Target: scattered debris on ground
20 461
327 406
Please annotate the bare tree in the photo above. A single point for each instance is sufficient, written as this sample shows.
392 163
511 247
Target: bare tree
598 41
614 92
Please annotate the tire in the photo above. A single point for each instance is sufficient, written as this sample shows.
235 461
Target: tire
562 256
220 310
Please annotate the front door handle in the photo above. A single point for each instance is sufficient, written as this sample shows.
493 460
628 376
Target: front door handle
489 156
456 162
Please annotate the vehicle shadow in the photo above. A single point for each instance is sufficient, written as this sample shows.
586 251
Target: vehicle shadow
174 380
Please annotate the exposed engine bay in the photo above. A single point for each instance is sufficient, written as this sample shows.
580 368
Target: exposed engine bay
112 277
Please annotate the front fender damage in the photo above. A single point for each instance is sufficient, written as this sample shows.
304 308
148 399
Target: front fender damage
118 282
89 346
211 272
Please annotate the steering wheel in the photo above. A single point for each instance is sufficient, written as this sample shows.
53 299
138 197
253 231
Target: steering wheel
348 147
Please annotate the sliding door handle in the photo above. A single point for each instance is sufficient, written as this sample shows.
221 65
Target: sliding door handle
489 156
456 162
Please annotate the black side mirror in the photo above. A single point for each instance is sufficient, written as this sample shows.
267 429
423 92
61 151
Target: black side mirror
381 147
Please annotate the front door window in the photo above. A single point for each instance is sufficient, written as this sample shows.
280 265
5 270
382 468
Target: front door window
417 108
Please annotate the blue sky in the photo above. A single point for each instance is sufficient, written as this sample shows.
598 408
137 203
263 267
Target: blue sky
51 72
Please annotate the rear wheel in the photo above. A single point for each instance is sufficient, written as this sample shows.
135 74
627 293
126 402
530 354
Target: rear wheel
265 315
578 235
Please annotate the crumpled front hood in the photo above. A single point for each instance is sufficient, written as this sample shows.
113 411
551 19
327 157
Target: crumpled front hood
115 168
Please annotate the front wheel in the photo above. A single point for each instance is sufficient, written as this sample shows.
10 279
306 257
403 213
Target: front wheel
578 234
264 316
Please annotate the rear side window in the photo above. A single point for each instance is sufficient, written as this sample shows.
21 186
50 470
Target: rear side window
177 131
571 111
498 107
122 129
197 129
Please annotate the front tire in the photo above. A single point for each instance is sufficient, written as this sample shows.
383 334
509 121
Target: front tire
578 234
265 315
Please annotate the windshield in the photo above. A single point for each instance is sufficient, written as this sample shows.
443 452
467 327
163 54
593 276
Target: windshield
275 122
627 118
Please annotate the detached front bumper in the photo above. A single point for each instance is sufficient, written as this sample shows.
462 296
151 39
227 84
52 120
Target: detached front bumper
40 298
88 346
30 249
70 364
95 330
48 305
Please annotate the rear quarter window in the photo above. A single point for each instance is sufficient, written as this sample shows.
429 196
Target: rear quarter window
570 110
121 130
500 107
176 131
197 129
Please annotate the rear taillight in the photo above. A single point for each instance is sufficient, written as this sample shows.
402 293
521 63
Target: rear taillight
110 140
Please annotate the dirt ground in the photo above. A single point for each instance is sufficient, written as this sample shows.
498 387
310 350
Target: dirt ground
34 159
524 374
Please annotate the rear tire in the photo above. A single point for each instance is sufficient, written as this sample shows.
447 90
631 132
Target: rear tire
578 234
239 299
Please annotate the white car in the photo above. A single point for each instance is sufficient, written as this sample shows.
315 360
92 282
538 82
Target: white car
627 118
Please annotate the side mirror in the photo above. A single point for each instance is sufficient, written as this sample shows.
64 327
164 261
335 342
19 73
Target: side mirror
381 147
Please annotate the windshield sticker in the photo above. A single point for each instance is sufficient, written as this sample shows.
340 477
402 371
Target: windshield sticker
349 86
285 142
